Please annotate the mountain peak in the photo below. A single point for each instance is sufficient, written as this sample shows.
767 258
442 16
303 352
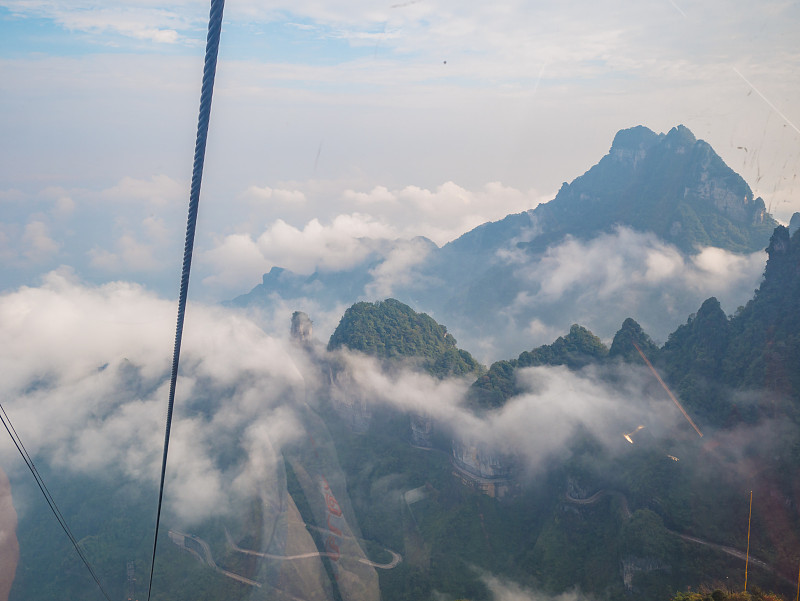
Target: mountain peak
681 136
634 138
630 145
627 338
391 329
673 185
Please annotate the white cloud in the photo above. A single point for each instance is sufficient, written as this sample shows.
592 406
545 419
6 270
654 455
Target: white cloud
718 269
394 118
537 330
341 244
158 190
396 270
596 283
445 212
130 255
138 20
382 219
538 423
600 282
139 248
38 245
86 371
236 262
64 206
627 266
156 229
378 195
277 194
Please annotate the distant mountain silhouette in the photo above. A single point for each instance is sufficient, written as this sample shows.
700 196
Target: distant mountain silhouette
671 188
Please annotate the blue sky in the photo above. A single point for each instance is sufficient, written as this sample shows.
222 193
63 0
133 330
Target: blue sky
335 122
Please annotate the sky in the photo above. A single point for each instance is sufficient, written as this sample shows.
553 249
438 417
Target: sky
340 121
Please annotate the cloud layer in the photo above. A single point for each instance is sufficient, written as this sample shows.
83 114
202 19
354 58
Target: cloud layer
85 375
600 282
85 372
539 423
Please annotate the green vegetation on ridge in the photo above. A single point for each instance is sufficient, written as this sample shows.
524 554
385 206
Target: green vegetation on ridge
391 330
575 350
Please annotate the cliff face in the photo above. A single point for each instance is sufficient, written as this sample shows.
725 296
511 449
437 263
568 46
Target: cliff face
794 224
717 184
764 349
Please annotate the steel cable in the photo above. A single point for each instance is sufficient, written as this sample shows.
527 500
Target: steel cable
209 71
12 432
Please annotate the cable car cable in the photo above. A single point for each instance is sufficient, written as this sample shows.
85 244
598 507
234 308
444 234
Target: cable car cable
209 71
12 432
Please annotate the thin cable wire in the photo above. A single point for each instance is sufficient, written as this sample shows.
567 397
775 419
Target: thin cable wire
12 432
209 71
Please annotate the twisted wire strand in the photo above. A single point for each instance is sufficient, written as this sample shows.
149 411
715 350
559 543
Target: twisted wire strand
209 72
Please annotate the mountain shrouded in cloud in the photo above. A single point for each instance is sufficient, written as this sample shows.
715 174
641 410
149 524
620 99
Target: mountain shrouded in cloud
575 350
608 481
757 348
354 143
672 185
659 224
640 504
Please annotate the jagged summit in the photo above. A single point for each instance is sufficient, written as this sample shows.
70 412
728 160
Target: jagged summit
576 349
671 184
680 135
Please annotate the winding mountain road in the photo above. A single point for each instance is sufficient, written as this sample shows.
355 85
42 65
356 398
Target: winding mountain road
692 539
200 549
601 493
204 555
396 557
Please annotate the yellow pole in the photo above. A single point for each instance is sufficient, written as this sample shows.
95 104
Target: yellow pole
797 598
747 558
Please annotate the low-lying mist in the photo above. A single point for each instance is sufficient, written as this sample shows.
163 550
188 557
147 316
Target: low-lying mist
84 377
85 380
599 282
